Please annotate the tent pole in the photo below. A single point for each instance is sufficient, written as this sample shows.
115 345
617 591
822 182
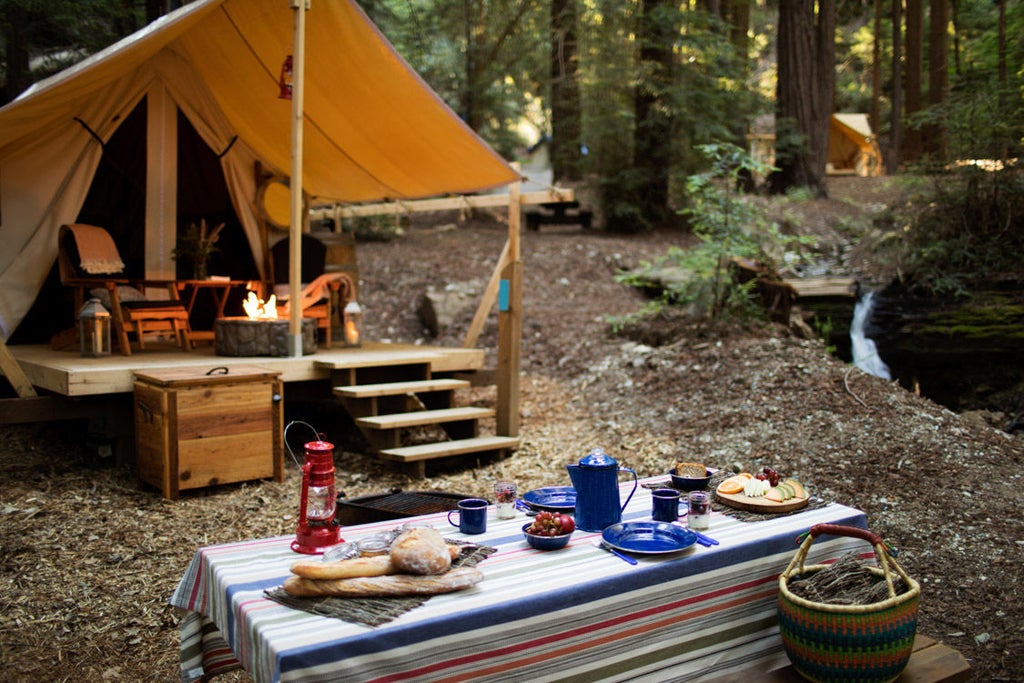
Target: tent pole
300 8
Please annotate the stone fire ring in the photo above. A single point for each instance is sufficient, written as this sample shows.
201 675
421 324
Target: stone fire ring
245 337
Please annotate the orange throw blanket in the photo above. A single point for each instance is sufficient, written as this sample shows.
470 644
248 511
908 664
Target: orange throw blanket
96 249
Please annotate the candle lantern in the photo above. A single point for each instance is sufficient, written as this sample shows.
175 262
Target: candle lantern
94 329
316 530
284 81
352 319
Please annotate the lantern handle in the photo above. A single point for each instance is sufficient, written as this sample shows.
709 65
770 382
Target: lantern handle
219 370
316 436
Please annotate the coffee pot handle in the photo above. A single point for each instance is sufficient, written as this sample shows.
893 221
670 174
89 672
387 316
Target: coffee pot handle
630 496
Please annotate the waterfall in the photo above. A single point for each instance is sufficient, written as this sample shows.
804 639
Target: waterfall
865 354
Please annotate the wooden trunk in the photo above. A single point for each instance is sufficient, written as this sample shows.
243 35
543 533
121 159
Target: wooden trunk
194 429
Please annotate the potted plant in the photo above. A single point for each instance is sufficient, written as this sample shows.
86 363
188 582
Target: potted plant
195 247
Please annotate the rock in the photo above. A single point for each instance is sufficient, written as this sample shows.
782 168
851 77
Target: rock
439 309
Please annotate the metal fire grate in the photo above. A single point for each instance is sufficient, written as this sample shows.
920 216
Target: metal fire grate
394 505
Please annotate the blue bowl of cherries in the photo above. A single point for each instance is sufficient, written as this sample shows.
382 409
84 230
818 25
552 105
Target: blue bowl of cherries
549 530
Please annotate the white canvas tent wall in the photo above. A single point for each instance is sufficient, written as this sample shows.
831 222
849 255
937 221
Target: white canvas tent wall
373 129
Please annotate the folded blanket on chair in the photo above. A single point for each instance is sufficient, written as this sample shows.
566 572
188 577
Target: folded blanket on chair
97 250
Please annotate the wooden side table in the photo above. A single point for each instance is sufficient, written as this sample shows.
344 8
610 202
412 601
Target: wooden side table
188 291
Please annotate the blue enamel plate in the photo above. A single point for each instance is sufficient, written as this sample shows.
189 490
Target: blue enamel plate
552 498
648 537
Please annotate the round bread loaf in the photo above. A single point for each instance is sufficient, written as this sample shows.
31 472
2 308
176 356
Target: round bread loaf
420 551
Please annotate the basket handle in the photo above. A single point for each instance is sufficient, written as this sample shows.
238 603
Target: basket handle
852 531
879 546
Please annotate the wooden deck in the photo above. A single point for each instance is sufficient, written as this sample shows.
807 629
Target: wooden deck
67 373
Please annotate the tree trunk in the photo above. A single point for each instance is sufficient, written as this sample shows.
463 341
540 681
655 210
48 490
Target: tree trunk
956 37
652 153
938 76
736 14
895 153
16 51
876 70
914 57
473 17
566 126
806 63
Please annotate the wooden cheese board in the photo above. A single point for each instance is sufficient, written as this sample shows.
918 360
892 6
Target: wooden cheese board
761 504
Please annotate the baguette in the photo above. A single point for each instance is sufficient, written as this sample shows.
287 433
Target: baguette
384 586
344 569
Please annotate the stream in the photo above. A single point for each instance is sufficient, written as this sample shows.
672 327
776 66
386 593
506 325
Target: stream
965 355
863 349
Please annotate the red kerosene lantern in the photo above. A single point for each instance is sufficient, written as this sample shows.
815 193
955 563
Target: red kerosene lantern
316 530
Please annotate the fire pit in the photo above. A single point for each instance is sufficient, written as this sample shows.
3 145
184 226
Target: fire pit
259 337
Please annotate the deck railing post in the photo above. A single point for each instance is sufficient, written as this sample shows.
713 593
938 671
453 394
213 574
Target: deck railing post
510 325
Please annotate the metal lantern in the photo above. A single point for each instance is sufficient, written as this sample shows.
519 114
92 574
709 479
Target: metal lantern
94 329
352 320
316 530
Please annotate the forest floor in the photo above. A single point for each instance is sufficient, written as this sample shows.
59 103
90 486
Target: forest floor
89 558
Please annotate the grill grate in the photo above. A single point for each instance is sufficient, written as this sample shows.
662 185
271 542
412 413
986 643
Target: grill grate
395 505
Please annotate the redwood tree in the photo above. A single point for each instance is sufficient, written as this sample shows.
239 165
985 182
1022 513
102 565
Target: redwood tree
806 81
914 62
566 126
938 75
655 124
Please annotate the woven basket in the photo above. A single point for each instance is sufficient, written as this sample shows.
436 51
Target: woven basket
848 643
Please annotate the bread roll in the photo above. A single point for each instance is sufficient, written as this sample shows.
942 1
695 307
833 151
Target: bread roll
420 551
343 569
382 586
691 470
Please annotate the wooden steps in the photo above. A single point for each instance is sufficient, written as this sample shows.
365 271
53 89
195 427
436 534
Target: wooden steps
396 388
428 451
421 418
412 420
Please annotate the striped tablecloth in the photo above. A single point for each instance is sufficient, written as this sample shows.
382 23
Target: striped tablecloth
577 614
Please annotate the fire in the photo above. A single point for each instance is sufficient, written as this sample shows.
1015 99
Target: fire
257 309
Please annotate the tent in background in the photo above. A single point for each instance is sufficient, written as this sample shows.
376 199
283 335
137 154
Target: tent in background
852 148
373 129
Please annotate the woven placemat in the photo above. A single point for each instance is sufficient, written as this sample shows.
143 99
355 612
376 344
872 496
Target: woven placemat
374 611
742 515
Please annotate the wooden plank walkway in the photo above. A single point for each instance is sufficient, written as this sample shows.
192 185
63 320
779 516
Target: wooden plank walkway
817 287
931 662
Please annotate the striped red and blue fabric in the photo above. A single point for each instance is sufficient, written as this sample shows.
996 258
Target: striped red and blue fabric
577 614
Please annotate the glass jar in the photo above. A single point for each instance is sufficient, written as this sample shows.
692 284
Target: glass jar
699 515
371 546
505 499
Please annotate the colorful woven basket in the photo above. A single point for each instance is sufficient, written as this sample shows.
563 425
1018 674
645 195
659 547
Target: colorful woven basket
829 643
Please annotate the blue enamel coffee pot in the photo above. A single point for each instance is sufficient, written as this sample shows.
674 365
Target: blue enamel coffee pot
596 480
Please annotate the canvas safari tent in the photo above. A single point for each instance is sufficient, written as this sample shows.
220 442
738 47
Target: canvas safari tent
372 129
852 145
852 148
